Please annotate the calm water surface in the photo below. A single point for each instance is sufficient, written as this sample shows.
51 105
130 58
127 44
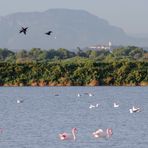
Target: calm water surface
37 121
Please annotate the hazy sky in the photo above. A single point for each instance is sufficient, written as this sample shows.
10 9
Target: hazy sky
131 15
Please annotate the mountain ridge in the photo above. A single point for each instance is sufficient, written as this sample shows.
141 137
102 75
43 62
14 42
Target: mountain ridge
71 29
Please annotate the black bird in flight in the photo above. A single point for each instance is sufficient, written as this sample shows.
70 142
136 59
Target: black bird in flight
24 30
48 33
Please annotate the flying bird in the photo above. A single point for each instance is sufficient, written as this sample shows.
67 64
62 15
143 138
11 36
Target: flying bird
24 30
48 33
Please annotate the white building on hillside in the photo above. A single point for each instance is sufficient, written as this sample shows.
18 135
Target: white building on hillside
100 47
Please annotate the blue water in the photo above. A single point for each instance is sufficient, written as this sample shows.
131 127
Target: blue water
37 121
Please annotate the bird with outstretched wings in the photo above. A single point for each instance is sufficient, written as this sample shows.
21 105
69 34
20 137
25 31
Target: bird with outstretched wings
48 33
23 30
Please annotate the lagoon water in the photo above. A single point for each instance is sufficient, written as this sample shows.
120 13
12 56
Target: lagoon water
37 121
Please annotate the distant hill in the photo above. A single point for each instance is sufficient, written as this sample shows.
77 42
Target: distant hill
71 29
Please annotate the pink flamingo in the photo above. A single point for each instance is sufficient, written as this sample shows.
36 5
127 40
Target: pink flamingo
102 134
66 136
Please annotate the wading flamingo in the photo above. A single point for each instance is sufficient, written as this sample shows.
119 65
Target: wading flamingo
102 134
66 136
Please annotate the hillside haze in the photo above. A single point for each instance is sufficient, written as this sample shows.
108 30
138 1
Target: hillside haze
71 29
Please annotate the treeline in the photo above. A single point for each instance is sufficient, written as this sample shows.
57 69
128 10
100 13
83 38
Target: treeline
74 72
61 67
130 53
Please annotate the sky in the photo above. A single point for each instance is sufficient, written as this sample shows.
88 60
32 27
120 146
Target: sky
130 15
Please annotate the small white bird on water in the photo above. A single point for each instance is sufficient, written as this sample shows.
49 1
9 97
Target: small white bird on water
79 95
134 109
90 95
116 105
97 105
93 106
19 101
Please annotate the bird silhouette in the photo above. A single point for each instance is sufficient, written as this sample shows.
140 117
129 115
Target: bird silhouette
48 33
24 30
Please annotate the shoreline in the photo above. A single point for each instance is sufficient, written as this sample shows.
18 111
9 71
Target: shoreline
61 85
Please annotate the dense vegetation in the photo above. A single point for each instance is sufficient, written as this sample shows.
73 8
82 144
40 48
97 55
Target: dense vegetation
123 66
131 53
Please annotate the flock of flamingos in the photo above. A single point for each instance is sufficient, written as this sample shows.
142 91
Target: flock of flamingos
99 133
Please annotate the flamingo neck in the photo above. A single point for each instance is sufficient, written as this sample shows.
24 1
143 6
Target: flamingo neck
74 134
109 132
